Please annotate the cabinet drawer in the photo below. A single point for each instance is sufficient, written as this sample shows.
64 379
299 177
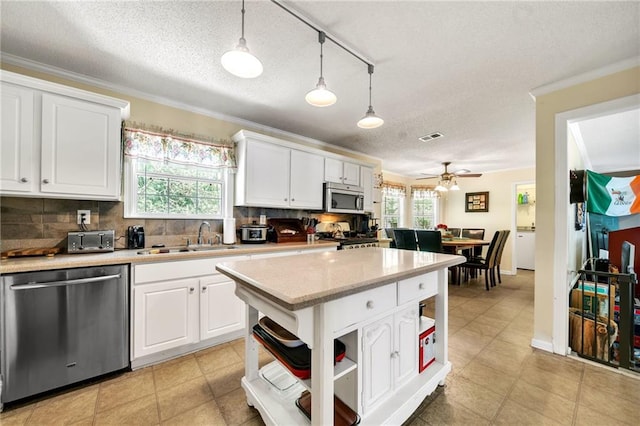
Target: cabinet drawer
417 288
360 306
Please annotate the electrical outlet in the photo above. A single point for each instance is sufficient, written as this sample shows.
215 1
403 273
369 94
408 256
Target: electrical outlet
86 214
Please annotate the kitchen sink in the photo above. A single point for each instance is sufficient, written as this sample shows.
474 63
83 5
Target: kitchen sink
185 249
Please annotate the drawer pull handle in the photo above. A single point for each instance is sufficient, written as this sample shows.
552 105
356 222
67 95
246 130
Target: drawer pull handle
394 354
204 289
45 180
370 304
421 286
191 289
24 180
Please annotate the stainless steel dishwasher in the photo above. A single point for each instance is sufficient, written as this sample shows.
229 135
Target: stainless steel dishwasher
61 327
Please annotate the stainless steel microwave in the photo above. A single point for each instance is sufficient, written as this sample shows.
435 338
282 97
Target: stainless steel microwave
339 198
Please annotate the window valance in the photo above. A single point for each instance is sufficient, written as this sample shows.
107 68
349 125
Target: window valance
394 189
424 191
155 143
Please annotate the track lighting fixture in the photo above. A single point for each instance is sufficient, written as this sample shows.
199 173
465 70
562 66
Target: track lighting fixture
239 61
370 119
321 96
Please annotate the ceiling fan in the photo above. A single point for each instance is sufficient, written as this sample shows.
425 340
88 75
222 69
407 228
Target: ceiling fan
448 179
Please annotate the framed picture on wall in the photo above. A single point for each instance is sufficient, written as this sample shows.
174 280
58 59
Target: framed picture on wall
476 202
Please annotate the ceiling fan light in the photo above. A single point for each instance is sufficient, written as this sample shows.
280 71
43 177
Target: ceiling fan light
240 62
455 186
441 188
370 120
321 96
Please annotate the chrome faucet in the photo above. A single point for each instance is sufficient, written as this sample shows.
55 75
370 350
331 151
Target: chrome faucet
200 231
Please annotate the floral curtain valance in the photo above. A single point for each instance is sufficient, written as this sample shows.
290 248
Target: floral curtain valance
154 143
394 189
424 191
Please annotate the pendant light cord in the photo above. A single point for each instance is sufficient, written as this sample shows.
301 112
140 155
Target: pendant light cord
321 37
242 37
370 69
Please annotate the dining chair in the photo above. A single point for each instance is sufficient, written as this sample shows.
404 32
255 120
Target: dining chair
486 264
389 233
474 234
454 231
429 240
405 239
503 242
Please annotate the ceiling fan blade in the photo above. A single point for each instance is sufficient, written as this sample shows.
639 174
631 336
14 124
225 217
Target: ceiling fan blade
469 175
427 177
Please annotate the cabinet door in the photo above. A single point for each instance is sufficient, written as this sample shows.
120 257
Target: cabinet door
221 311
351 174
307 176
165 316
377 368
406 351
80 148
333 170
17 173
366 181
267 175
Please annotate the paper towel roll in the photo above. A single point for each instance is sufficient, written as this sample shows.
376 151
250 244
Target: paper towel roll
229 231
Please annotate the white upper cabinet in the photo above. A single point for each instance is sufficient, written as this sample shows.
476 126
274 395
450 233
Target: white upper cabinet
58 141
366 182
272 174
16 164
339 171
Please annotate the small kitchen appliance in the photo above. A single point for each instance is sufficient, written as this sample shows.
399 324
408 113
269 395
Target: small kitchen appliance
90 241
286 230
253 233
135 237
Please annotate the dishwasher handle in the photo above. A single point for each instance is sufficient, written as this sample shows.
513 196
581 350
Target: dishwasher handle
33 285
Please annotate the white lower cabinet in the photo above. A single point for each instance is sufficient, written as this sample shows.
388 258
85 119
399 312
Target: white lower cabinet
217 319
389 355
165 316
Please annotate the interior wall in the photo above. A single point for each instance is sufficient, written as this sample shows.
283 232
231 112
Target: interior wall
548 105
577 248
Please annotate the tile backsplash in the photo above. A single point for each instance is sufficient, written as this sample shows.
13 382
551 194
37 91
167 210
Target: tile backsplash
40 222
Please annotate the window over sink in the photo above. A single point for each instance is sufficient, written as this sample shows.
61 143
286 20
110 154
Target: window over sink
169 176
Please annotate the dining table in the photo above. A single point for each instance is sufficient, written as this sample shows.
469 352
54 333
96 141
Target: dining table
457 245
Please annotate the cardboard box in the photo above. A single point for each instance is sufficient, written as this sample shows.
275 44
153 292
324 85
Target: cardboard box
588 300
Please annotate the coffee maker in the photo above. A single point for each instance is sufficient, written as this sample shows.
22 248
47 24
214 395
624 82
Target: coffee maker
135 237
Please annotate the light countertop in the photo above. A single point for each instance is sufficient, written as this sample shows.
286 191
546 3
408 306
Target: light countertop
295 282
61 261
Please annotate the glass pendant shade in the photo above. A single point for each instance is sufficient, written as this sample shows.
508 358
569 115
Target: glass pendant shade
240 62
370 120
455 186
321 96
441 188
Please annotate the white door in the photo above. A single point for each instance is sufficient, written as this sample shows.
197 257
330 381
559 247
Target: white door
351 174
17 173
307 176
221 311
377 368
80 148
406 351
165 316
267 174
526 250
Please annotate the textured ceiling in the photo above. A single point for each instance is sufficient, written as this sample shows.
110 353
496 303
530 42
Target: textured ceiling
464 69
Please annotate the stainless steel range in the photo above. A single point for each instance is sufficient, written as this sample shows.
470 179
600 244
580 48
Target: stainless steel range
341 233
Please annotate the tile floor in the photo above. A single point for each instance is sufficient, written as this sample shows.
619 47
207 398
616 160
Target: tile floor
497 378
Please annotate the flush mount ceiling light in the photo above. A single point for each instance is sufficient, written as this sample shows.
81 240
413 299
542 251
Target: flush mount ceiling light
239 61
321 96
370 119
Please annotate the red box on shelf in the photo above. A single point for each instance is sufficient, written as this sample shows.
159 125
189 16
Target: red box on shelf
425 341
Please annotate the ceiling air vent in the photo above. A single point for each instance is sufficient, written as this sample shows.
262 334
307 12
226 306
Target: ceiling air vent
431 136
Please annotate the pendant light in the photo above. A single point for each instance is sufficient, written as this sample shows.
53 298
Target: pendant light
239 61
370 119
321 96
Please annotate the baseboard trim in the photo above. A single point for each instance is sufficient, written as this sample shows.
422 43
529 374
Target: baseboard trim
542 345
